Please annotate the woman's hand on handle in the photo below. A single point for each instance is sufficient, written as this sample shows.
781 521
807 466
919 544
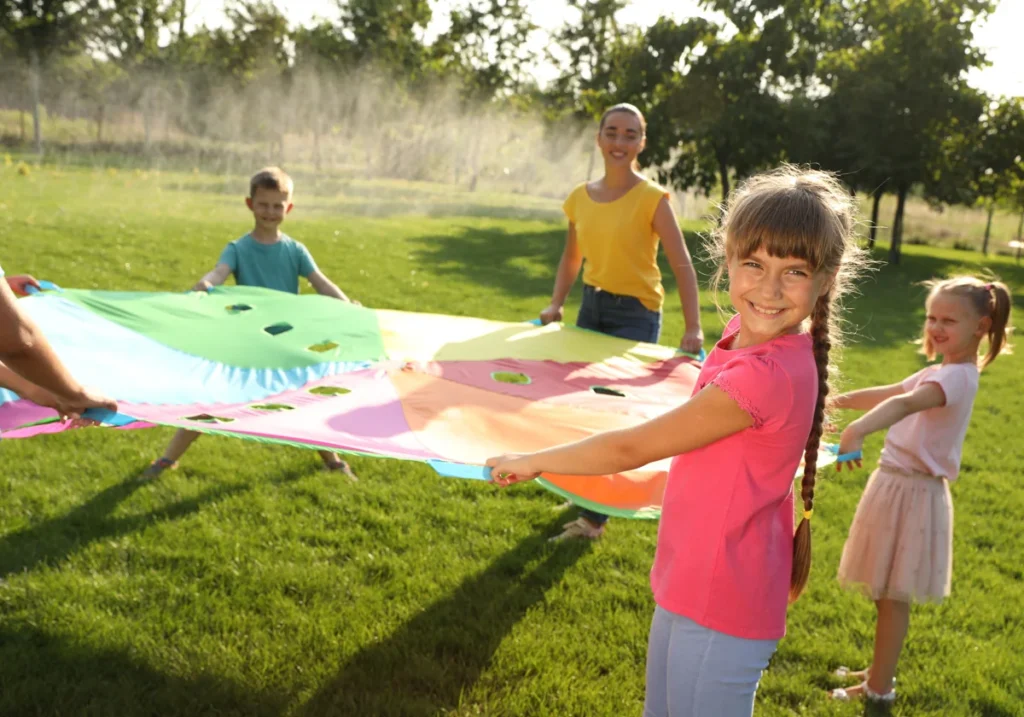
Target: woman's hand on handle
551 314
693 341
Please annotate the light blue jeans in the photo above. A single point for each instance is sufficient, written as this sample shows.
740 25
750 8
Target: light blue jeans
696 672
616 315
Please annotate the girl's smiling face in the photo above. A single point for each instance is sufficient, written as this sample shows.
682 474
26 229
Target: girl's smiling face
954 327
773 295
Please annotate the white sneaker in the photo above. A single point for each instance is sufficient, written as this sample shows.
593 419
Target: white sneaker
579 528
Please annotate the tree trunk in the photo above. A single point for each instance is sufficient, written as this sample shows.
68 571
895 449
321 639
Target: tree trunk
316 143
23 134
181 20
100 112
988 227
147 121
1020 228
877 199
474 163
37 128
723 172
896 243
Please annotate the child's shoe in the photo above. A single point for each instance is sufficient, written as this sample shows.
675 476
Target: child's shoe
579 528
343 467
156 468
862 691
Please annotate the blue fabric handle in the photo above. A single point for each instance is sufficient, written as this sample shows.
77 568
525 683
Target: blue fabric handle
843 457
460 470
700 356
44 285
107 418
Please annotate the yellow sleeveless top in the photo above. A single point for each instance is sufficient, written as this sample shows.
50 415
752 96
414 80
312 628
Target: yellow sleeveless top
619 246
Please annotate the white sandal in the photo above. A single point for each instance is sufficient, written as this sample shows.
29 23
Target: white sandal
842 672
840 694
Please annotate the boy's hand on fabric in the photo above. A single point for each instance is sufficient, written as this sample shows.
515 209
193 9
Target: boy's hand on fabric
511 468
20 283
851 446
202 285
692 342
551 314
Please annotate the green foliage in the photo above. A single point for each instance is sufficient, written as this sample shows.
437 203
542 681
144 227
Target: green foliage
387 32
897 93
486 48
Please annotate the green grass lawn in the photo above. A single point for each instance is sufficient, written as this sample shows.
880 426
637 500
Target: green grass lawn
248 582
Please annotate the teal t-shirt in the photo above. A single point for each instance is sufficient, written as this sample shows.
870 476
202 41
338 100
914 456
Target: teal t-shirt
270 266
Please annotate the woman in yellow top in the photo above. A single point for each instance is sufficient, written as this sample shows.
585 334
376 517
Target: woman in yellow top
615 225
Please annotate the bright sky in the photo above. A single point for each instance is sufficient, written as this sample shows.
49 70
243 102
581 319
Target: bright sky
999 36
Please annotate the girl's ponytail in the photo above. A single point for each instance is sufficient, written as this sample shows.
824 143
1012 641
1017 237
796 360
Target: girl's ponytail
998 333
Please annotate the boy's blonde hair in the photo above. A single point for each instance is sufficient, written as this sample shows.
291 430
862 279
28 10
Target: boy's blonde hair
793 211
273 178
988 298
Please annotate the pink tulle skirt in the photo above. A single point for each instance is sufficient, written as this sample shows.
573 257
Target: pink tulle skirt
900 545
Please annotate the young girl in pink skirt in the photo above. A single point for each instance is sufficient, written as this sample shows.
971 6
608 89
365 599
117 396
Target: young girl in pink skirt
900 547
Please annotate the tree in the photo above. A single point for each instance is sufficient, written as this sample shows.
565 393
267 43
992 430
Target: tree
486 47
388 33
590 44
128 37
41 29
588 48
899 92
736 125
982 163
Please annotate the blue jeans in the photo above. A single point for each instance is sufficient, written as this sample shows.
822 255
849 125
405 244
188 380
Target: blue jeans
616 315
693 671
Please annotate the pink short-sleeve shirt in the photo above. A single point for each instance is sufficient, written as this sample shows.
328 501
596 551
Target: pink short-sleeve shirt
931 441
725 542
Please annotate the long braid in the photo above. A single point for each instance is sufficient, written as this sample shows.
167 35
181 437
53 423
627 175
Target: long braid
822 344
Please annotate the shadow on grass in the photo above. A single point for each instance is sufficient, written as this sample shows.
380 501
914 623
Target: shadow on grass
45 674
428 663
495 257
57 538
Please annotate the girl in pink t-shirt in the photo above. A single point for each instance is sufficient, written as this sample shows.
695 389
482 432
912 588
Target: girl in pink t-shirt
727 562
900 546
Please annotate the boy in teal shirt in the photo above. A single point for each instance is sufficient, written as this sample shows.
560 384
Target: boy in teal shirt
267 258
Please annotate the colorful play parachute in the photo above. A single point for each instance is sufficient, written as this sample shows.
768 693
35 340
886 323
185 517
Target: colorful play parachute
319 373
